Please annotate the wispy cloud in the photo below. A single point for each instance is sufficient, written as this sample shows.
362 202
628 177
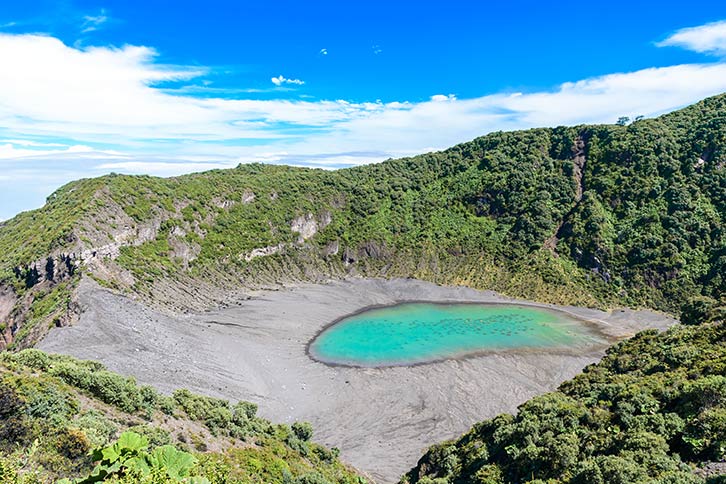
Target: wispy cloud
323 52
280 80
443 97
708 39
377 49
26 142
94 22
10 151
161 168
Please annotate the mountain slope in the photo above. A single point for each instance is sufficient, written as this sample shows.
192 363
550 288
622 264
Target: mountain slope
589 215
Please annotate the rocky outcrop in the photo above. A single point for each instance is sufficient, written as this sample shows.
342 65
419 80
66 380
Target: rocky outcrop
181 250
248 196
51 278
331 249
349 257
579 158
223 203
305 225
308 225
261 252
52 269
578 165
711 469
374 250
8 299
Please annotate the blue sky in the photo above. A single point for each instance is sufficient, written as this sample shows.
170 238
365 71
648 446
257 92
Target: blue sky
165 88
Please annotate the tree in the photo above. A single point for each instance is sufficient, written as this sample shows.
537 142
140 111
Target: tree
303 430
623 120
697 310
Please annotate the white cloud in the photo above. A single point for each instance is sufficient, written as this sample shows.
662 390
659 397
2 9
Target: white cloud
160 168
25 142
94 22
10 151
443 97
323 51
377 49
708 38
280 80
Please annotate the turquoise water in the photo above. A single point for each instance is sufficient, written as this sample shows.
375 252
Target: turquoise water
419 332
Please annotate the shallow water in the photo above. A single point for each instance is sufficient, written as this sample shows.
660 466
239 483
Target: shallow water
413 333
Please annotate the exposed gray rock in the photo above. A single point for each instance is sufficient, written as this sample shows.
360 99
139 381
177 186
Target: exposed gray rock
332 248
177 231
305 225
248 196
223 203
261 252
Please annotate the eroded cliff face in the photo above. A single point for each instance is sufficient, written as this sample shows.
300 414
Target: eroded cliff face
42 296
97 248
579 158
7 303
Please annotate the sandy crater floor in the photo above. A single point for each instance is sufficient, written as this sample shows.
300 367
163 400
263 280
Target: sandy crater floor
381 419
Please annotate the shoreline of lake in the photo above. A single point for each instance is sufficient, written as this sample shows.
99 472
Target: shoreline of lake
495 313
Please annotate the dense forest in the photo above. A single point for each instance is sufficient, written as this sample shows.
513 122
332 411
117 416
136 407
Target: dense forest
652 411
60 415
600 216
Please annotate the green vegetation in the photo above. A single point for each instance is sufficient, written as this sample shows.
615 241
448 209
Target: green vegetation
72 419
32 236
651 411
128 460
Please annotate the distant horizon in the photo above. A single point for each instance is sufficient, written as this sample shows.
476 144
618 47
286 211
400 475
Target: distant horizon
90 87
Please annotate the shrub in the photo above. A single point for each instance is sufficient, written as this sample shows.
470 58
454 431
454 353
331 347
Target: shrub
154 435
166 404
303 430
45 399
108 387
218 419
73 443
244 411
13 428
32 358
198 407
96 426
697 310
311 478
326 455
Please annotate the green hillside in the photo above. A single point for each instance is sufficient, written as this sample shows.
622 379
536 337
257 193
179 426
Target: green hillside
591 215
652 411
55 410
